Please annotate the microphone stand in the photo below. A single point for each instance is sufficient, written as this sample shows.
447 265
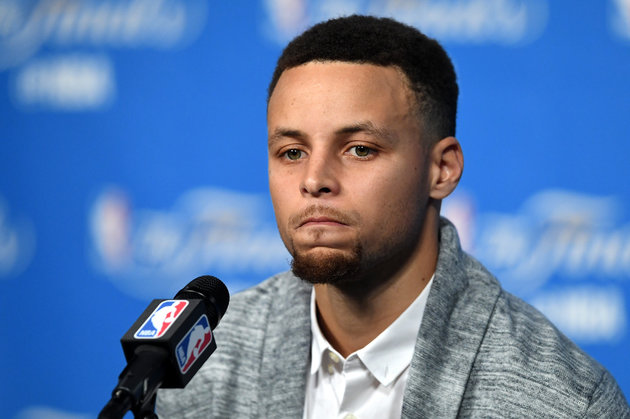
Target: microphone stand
137 386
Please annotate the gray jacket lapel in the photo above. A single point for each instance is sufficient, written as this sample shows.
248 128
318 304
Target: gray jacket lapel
286 353
452 329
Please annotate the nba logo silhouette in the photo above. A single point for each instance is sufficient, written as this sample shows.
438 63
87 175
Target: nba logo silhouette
161 319
193 344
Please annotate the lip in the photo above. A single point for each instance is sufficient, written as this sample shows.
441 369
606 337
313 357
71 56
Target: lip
320 221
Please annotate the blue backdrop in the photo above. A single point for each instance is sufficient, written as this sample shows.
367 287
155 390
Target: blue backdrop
133 159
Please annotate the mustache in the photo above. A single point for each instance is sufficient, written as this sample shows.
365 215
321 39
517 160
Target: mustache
314 211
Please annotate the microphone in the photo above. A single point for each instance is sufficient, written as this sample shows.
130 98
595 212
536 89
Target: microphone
167 345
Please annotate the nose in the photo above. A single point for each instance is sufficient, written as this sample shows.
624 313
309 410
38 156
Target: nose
320 176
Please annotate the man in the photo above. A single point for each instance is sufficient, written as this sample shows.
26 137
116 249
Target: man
390 318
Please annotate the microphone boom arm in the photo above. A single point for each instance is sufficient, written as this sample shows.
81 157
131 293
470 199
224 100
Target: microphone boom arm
138 385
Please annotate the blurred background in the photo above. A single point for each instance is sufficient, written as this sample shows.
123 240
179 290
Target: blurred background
133 159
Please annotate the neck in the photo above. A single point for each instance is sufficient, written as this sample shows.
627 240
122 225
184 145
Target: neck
351 316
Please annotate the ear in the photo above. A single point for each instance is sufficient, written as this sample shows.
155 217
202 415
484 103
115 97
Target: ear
446 167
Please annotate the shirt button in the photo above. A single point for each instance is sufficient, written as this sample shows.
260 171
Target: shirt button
333 357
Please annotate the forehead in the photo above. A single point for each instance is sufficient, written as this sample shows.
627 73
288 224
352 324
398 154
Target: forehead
340 88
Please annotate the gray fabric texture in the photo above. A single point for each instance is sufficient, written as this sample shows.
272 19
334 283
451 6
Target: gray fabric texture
480 352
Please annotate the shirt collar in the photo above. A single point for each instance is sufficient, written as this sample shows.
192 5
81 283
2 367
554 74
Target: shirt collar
387 356
319 344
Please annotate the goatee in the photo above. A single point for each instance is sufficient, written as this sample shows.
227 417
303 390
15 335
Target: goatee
328 266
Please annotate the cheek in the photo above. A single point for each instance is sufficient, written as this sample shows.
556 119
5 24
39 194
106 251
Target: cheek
282 215
277 188
396 200
279 204
280 192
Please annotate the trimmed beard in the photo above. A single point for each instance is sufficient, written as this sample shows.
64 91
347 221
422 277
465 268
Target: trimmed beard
332 267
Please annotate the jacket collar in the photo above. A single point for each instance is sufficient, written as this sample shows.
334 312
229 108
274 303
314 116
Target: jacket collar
458 310
286 351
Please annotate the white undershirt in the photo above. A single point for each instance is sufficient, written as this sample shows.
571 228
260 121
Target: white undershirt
370 382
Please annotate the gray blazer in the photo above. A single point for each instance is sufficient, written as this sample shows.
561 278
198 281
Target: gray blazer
480 352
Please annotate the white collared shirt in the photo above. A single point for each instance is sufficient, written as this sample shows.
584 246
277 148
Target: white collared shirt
370 382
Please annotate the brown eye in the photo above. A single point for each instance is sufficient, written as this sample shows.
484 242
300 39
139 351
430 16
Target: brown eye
293 154
361 151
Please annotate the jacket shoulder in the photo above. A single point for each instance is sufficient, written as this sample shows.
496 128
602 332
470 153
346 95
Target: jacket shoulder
532 369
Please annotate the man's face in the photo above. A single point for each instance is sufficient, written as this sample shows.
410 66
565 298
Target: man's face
347 169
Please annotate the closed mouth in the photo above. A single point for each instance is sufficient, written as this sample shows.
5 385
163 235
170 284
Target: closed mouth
320 220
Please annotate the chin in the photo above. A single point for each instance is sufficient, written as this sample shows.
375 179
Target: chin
327 266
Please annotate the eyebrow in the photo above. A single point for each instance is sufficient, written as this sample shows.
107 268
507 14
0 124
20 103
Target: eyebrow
367 127
279 133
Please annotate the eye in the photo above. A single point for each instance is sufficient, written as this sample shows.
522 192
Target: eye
293 154
361 151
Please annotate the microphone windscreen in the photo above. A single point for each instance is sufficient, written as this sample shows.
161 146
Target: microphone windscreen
212 291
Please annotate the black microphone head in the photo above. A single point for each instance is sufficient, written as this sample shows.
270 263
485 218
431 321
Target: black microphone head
212 291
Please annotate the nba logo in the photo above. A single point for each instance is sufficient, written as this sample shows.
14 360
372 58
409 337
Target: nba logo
161 319
193 344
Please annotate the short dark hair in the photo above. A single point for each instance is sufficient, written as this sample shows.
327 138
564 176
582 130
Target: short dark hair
383 42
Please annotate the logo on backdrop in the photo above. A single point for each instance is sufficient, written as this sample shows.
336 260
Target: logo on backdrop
161 319
64 79
620 18
193 344
567 253
155 252
506 22
71 82
46 412
17 242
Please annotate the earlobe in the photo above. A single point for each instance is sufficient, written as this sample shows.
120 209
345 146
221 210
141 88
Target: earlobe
447 165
